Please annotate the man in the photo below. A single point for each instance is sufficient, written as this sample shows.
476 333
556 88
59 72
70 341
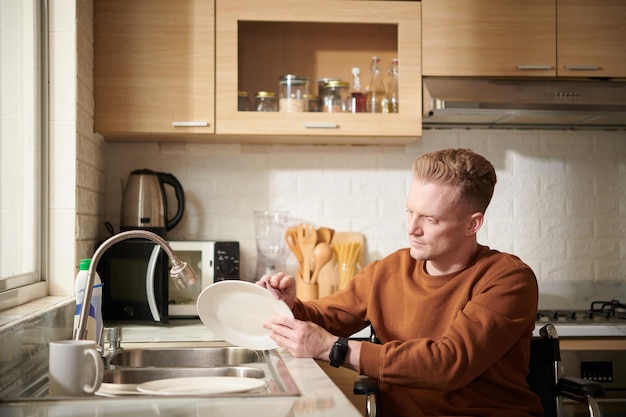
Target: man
454 317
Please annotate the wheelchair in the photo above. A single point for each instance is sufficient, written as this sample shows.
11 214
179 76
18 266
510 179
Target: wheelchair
545 378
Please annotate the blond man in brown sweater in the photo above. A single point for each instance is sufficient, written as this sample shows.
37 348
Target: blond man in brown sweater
454 317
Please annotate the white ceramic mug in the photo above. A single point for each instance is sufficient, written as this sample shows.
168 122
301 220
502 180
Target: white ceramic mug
75 368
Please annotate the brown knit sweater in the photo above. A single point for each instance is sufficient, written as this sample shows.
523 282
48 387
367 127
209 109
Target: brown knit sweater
451 345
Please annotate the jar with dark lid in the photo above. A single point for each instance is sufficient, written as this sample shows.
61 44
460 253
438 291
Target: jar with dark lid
265 101
243 101
336 97
292 90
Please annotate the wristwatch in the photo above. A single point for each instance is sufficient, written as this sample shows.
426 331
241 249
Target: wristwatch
339 352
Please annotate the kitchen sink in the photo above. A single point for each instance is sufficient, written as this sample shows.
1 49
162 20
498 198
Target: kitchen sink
141 375
184 357
128 368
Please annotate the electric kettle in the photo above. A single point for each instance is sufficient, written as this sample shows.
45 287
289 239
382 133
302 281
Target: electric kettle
144 202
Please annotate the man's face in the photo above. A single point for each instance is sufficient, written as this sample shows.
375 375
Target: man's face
436 223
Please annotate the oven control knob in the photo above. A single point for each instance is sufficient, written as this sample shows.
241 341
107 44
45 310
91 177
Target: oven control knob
227 266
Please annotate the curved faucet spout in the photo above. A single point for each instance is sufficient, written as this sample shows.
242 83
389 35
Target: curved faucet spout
181 273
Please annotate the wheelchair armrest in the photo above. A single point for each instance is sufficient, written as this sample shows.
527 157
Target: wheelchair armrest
365 385
579 389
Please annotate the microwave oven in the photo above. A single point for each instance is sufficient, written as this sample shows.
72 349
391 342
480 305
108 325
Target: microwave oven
137 286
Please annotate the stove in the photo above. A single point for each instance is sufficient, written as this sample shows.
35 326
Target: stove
602 320
599 312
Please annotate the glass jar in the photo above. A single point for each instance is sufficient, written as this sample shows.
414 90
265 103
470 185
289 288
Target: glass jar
243 102
265 101
313 103
336 97
292 90
321 83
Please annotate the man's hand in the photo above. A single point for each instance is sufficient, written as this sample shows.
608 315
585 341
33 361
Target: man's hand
301 338
282 287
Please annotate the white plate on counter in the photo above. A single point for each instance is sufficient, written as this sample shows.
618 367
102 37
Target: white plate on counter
210 385
116 390
235 311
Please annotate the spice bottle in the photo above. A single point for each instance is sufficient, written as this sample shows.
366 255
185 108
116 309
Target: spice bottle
265 101
357 98
336 97
313 103
376 95
243 102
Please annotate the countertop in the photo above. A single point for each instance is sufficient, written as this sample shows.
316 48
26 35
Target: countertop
319 395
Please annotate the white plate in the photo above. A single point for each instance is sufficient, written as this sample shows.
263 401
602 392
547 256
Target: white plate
208 385
235 311
114 390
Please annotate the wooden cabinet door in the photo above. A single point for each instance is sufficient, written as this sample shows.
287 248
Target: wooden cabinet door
489 38
259 41
591 38
153 67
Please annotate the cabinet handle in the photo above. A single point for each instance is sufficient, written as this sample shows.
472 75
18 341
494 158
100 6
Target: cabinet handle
190 124
534 67
582 67
321 126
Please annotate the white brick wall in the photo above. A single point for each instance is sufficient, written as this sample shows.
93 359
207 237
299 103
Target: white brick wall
560 202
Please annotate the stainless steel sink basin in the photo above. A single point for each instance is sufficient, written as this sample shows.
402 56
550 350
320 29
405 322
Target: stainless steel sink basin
184 357
141 375
131 367
128 368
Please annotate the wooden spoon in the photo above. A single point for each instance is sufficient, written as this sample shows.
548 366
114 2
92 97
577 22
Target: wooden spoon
324 234
291 239
322 254
306 238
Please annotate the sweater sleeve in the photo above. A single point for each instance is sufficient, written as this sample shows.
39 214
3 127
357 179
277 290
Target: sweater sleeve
342 313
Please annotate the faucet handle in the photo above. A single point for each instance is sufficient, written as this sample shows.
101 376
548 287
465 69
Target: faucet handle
113 336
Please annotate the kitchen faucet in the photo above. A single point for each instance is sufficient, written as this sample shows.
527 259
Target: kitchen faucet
181 273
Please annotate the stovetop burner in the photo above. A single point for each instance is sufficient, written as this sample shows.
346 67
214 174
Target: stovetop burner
598 312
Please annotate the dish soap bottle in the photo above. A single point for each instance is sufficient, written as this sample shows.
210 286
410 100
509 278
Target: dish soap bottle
94 320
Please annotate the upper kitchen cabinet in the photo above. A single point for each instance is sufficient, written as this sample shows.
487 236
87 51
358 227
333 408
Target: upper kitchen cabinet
257 42
489 38
572 38
154 67
591 38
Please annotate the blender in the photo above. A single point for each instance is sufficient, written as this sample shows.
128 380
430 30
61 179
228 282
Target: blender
271 250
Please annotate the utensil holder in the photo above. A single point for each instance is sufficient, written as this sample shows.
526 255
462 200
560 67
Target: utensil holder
306 291
327 280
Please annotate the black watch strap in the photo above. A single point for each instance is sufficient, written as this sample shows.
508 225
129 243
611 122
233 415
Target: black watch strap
339 352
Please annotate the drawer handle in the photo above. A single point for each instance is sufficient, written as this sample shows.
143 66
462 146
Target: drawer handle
582 67
534 67
190 124
321 126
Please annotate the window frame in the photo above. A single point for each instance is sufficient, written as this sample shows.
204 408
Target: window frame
19 289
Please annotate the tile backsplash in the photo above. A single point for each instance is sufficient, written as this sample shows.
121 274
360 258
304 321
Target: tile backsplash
560 201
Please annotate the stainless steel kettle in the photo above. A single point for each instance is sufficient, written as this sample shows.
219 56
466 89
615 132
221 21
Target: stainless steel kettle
144 202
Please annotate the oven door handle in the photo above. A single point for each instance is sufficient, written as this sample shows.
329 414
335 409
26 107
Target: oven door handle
152 263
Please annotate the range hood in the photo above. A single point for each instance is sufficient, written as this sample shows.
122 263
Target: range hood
524 103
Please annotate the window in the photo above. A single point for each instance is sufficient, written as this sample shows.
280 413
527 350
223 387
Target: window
22 152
